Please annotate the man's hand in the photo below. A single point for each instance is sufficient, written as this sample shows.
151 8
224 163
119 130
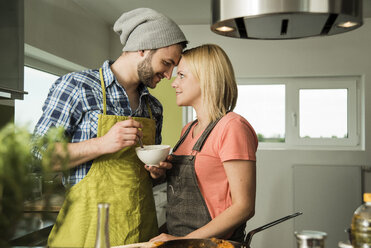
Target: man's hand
160 170
121 135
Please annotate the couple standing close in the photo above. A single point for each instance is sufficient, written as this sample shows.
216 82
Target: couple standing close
211 172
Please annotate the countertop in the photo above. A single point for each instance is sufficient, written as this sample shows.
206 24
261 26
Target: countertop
33 229
38 218
52 203
40 214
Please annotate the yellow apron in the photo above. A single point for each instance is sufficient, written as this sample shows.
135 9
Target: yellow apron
118 179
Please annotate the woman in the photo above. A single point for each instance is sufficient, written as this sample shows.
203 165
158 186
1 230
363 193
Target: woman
211 186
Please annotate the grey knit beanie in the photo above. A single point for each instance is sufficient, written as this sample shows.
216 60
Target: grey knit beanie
144 29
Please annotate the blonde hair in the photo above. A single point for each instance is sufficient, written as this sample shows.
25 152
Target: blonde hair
212 67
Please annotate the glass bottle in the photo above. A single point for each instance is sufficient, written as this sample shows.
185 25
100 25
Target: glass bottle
102 240
361 224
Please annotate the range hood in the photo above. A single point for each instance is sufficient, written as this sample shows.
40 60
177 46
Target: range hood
284 19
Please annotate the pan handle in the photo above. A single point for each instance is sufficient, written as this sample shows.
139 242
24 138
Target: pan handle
248 237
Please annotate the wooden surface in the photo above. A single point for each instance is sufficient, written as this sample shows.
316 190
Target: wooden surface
53 203
140 245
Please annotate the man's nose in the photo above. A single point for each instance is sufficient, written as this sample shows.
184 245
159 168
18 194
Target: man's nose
169 72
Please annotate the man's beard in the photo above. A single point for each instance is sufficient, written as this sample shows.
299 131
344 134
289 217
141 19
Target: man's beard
145 71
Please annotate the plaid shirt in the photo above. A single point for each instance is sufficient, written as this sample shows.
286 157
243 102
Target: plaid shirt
75 100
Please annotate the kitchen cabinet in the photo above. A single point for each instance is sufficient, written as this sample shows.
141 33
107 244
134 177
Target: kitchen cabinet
159 194
11 49
7 113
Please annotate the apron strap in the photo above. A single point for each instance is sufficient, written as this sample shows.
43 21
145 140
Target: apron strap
103 91
201 141
181 140
149 109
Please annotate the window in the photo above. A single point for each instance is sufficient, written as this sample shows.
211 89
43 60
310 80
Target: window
303 113
323 113
263 105
37 84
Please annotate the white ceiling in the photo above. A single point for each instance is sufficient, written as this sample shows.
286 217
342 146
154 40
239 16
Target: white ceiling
183 12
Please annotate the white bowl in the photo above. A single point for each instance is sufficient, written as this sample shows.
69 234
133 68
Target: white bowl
152 155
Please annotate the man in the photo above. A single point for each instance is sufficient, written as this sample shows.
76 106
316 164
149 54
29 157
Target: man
104 112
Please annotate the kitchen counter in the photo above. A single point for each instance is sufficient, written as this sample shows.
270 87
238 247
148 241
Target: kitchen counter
39 217
159 194
37 220
46 204
33 229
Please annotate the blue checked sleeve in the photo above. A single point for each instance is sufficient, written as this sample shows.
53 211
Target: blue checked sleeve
62 107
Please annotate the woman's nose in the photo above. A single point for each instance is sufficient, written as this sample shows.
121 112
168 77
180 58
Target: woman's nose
174 83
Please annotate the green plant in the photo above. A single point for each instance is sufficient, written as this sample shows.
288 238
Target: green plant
17 160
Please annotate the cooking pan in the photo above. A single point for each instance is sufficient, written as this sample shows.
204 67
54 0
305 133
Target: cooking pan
209 243
219 243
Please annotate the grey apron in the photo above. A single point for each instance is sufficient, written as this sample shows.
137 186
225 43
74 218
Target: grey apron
186 208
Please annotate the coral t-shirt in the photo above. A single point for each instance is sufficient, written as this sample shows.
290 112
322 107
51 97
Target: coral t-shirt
233 138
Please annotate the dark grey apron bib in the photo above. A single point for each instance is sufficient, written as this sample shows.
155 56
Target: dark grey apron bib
186 208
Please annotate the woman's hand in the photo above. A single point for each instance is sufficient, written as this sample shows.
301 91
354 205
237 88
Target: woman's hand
164 237
160 170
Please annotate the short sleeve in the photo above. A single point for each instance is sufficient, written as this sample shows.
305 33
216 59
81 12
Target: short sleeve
238 141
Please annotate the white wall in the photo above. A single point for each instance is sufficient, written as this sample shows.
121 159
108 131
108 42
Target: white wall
65 30
115 45
344 54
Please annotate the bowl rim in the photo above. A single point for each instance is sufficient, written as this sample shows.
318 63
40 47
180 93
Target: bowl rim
160 147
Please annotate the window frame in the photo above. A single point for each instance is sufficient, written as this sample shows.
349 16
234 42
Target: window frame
43 61
29 100
293 132
293 141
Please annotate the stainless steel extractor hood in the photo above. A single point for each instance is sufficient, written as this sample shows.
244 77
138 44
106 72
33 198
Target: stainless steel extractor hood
284 19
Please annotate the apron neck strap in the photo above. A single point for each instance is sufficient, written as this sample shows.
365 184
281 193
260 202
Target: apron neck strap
103 91
149 109
201 141
104 96
181 140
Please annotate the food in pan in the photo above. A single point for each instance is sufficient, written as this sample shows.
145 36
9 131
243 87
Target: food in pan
222 243
157 243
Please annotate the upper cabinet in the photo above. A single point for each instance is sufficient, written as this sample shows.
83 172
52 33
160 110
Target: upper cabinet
11 49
